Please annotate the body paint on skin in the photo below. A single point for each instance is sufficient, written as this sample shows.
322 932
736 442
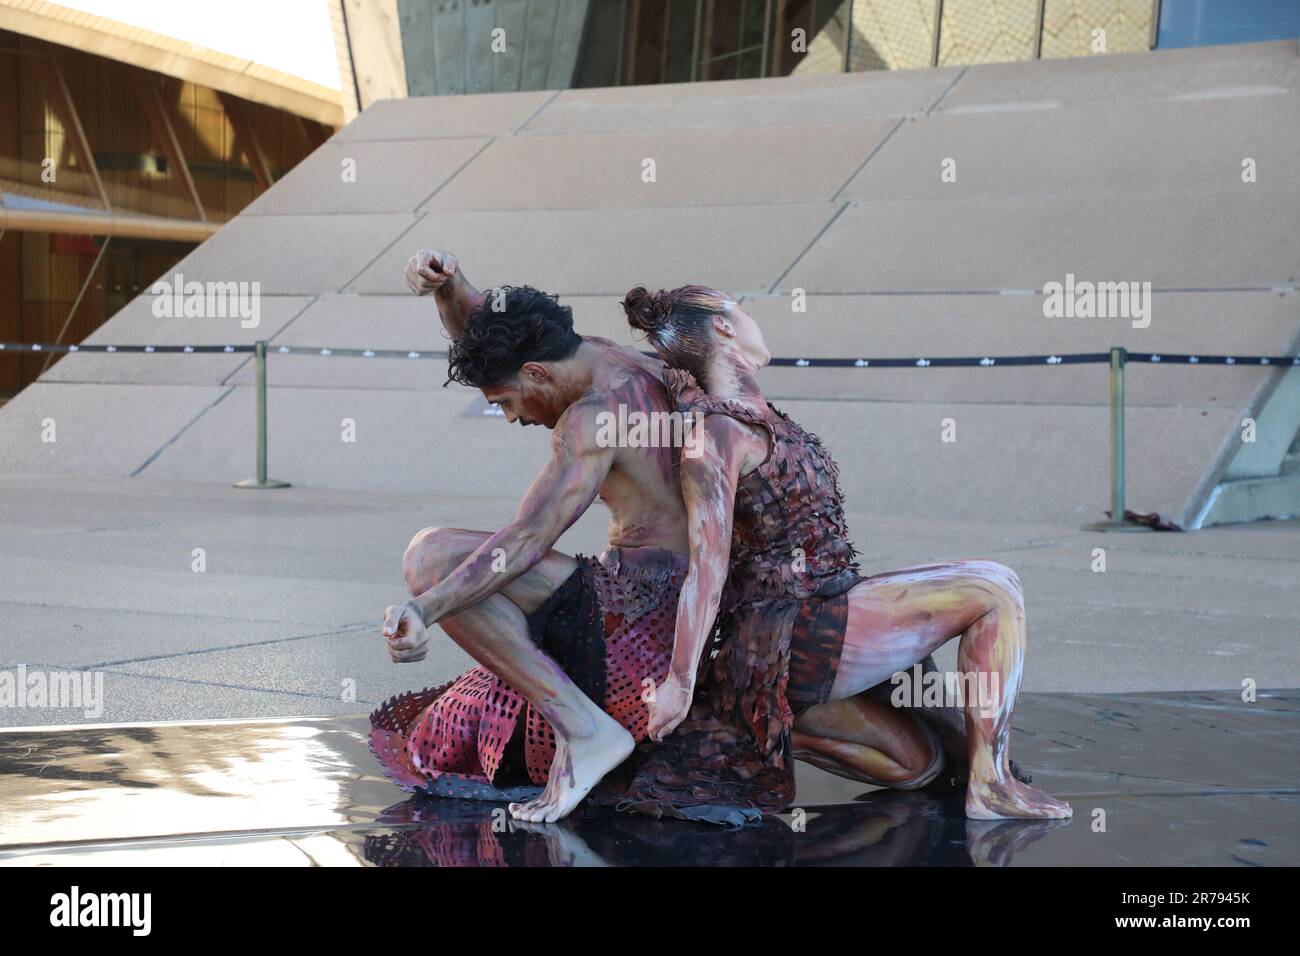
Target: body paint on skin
893 621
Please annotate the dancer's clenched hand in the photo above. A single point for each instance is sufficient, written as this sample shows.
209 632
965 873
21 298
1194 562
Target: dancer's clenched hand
430 270
408 638
668 707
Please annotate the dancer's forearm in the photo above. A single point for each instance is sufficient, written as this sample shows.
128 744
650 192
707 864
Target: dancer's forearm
697 606
558 497
494 564
455 301
709 492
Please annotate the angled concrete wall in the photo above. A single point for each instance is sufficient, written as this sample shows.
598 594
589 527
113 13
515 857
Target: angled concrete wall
1125 167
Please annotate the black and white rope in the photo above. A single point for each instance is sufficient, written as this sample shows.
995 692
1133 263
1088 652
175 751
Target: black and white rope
972 361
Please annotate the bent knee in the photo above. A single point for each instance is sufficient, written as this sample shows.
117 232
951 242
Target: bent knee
996 579
922 760
432 554
924 778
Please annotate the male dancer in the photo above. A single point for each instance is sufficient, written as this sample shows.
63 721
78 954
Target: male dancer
608 621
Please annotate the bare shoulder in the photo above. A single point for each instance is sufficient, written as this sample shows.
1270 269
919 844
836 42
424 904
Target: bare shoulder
633 385
737 444
578 429
629 355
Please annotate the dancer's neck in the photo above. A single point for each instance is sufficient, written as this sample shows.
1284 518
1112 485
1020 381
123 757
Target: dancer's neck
731 377
576 374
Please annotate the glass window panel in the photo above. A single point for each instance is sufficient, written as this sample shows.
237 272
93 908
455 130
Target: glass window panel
681 40
827 35
648 41
892 35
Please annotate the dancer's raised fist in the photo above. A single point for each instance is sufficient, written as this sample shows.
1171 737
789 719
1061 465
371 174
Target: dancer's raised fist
429 270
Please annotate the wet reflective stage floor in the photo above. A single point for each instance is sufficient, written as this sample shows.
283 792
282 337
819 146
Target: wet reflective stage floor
1155 779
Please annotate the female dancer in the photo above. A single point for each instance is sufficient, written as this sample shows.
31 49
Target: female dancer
801 636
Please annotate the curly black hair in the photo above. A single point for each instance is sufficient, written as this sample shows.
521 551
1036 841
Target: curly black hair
511 326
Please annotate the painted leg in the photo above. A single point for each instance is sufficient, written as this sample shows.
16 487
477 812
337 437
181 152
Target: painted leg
996 644
900 618
589 743
865 739
949 725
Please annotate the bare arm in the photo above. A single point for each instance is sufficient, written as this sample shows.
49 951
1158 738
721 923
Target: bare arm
558 496
709 490
709 479
439 273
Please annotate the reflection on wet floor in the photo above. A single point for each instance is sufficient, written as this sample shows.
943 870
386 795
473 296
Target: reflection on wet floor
1195 778
882 829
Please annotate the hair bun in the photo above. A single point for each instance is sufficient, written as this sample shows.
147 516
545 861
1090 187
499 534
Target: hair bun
646 310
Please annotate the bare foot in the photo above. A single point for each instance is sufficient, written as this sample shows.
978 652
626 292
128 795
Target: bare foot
578 766
1005 798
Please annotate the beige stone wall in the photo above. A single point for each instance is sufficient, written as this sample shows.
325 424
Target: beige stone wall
899 34
1068 26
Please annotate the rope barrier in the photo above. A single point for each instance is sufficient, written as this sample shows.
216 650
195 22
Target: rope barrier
971 361
43 347
1117 358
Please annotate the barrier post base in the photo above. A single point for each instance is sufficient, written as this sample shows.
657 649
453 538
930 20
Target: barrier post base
255 483
1117 526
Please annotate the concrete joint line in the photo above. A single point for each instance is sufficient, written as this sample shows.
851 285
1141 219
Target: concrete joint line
536 112
419 207
171 441
249 358
168 678
344 629
382 252
870 156
944 95
821 232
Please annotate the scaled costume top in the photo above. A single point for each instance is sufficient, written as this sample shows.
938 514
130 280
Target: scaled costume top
790 554
780 626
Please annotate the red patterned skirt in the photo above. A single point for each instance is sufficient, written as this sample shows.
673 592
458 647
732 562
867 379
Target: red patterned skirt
609 626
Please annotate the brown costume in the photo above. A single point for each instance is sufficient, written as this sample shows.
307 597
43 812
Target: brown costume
780 626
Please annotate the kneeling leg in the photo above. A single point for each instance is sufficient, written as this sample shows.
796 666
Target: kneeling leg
868 740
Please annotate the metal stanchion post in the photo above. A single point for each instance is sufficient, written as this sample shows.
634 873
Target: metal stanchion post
1117 522
261 481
